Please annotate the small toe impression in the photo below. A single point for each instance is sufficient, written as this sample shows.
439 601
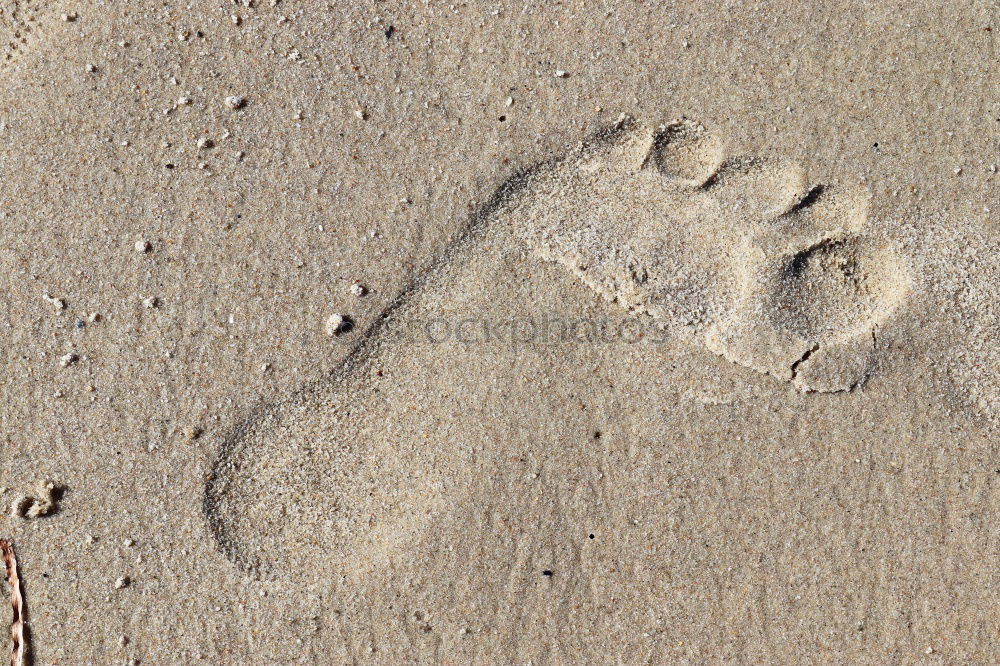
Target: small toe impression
820 215
758 189
622 147
684 151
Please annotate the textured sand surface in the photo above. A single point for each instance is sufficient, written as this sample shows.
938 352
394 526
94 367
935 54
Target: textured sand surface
678 340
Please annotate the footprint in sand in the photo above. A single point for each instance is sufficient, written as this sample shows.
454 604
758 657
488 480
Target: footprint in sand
737 254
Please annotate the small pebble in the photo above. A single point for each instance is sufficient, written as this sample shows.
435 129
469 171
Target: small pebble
151 302
183 101
337 324
68 359
123 581
205 143
143 246
91 68
57 303
358 290
236 102
561 74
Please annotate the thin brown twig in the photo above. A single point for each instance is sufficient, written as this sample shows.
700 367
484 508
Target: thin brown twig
17 602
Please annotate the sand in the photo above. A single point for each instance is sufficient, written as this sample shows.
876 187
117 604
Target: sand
675 340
